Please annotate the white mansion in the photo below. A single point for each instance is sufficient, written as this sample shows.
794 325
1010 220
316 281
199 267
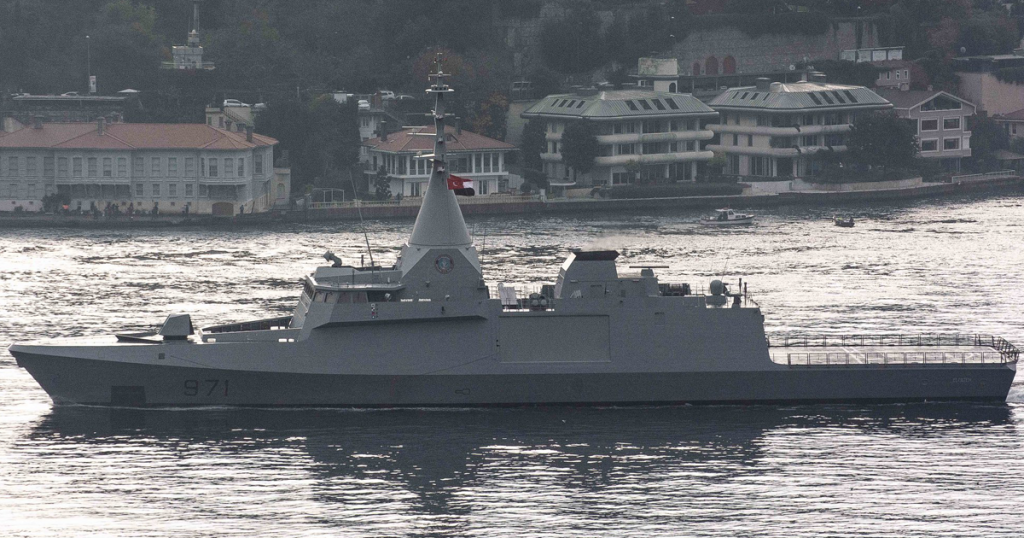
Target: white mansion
659 134
774 129
165 166
470 155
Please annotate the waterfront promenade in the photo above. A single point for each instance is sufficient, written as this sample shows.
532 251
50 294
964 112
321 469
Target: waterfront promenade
753 197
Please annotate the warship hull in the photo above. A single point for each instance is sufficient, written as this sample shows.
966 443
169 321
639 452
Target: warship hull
99 382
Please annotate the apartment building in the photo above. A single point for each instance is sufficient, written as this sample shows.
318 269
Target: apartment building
470 155
774 129
661 134
942 120
168 167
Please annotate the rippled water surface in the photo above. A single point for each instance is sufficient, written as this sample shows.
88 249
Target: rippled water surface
936 266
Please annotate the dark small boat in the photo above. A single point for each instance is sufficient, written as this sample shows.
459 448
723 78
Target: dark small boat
842 222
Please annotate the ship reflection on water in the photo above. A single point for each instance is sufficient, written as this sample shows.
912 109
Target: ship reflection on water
366 467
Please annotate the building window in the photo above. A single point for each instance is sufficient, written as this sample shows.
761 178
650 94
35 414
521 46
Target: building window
156 190
951 143
188 190
622 178
93 167
138 190
137 167
750 140
809 140
258 164
108 167
213 166
62 166
154 166
172 166
834 140
229 167
30 166
190 166
12 166
76 166
929 145
172 190
48 166
950 123
241 166
626 149
735 139
929 125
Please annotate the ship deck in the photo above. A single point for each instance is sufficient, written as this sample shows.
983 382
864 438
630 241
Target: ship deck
868 354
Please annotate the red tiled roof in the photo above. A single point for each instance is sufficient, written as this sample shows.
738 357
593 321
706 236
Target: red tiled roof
406 141
1016 115
132 136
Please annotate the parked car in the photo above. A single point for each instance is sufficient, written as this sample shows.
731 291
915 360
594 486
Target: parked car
69 94
258 107
386 95
364 104
234 102
406 97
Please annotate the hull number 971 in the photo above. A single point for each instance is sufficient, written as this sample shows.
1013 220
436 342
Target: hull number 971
206 387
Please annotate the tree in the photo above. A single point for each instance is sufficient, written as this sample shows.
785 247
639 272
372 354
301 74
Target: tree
382 184
579 146
533 144
490 119
572 44
884 140
987 137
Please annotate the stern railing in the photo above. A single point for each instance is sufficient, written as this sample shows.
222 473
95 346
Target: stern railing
1004 351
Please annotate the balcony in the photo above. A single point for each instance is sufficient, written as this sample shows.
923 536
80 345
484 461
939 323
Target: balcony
655 158
780 131
671 136
755 150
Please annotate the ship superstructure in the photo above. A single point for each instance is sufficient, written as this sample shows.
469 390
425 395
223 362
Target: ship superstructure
428 331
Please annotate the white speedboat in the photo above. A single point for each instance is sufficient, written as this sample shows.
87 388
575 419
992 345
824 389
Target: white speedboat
727 217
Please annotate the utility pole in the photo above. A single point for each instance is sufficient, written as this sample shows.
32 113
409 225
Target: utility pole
88 63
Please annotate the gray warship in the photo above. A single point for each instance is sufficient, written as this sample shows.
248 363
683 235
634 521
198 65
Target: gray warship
429 332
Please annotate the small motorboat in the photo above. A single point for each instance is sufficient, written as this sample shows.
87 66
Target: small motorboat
727 217
843 222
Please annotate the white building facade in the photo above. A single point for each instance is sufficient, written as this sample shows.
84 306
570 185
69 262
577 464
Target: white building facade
658 136
169 167
470 155
774 130
942 120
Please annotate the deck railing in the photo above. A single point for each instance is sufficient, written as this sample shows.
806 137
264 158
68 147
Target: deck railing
895 358
1002 350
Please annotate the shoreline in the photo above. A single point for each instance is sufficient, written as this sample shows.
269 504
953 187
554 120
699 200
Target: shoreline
520 207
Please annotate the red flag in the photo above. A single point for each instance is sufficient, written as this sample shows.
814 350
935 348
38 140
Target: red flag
461 185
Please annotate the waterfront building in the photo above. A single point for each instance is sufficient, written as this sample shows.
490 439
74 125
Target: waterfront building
1011 122
165 166
983 81
942 121
656 135
470 155
774 129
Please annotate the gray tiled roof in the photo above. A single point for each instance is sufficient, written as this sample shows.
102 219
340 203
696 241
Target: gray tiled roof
799 96
618 104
